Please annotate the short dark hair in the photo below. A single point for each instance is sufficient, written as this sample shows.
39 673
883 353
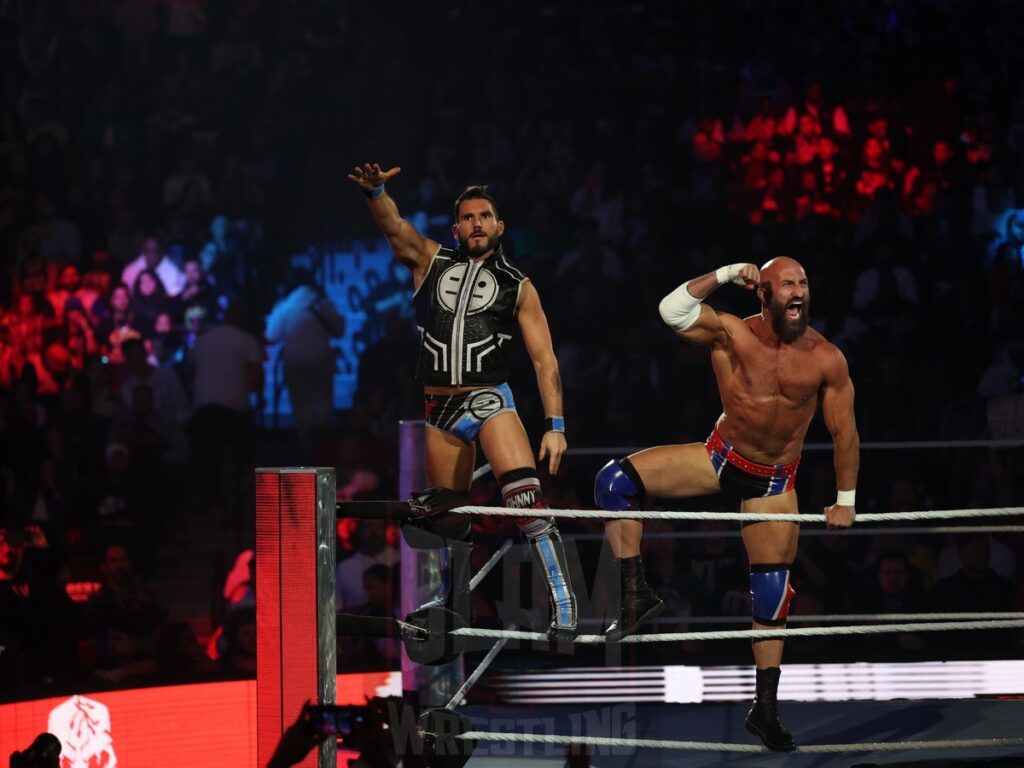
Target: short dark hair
894 554
475 192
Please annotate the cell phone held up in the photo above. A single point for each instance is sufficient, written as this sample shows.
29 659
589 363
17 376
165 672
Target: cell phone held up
335 720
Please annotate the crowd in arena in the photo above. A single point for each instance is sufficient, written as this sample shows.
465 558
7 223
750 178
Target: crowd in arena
160 161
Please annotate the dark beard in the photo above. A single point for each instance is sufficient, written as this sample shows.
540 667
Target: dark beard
479 250
786 329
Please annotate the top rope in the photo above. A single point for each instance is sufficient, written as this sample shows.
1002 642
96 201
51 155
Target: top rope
747 517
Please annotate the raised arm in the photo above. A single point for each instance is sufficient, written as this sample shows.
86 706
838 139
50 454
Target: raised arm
537 337
837 408
683 310
408 245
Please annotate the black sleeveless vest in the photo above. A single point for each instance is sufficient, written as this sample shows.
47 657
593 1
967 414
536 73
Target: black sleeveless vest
466 313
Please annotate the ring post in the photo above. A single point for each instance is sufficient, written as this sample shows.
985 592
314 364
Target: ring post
295 625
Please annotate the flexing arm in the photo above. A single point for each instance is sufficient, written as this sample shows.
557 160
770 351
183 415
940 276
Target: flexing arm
537 337
408 245
683 310
837 408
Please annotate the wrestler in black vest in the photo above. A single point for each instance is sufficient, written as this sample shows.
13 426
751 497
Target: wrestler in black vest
466 313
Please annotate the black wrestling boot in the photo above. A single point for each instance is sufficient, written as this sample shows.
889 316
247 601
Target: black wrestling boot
763 718
454 592
638 602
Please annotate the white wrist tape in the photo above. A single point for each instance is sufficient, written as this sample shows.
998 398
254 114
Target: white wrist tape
846 498
729 274
680 309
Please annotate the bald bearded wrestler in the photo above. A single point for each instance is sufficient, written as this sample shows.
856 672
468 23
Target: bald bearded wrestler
772 371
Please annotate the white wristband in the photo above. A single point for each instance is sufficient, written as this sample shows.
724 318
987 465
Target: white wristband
846 498
680 309
729 274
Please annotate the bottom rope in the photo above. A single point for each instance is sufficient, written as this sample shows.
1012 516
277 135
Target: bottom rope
737 634
711 746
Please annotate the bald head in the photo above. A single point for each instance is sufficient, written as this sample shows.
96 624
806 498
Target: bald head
772 270
785 297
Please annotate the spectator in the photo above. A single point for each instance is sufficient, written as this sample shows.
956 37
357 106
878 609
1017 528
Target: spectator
238 657
221 257
886 286
825 118
199 293
154 440
79 335
123 658
118 324
169 398
371 549
975 586
179 656
228 370
876 170
894 589
69 284
149 299
154 258
669 575
716 564
590 262
124 600
373 653
304 320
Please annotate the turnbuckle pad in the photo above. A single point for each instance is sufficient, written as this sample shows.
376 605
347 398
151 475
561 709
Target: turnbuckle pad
431 520
439 728
436 532
434 644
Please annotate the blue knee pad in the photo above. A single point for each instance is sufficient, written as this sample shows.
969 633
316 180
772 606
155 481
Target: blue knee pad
770 593
618 486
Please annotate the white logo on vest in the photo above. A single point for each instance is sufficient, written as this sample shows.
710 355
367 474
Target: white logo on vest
484 289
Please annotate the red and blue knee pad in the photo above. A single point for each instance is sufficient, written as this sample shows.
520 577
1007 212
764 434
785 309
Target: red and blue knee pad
771 593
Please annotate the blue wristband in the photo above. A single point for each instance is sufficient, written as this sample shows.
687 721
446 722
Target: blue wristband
374 193
554 424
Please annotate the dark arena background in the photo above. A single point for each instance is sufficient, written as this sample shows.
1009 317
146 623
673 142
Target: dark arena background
208 388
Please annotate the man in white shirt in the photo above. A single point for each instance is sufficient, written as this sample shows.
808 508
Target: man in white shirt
153 257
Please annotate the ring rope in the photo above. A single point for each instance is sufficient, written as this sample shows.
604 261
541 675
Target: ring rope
489 565
625 450
756 634
711 746
856 530
747 517
480 669
811 618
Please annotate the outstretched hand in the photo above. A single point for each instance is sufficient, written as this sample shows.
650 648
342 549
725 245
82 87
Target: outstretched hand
370 175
